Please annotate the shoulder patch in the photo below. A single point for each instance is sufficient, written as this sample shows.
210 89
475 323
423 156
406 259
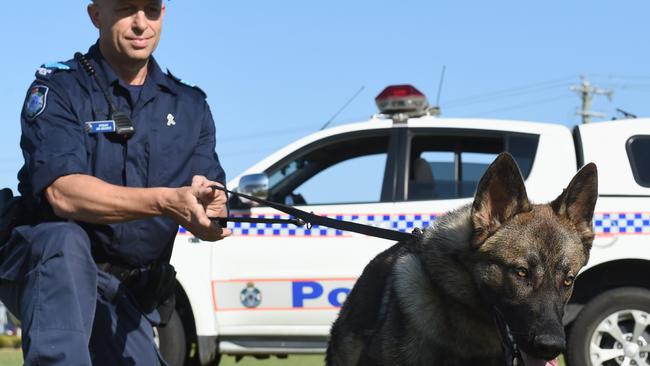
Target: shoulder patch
36 101
186 83
56 65
46 70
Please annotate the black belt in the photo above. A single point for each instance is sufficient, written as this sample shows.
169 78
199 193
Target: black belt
126 275
309 219
150 286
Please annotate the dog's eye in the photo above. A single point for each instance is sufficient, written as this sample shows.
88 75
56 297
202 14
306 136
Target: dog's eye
569 281
522 272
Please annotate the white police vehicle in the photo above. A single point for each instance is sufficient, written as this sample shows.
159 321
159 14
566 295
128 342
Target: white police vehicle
275 289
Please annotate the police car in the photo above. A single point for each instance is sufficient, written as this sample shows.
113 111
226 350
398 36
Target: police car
275 289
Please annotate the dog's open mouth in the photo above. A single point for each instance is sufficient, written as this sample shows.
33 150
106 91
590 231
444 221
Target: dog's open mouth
534 361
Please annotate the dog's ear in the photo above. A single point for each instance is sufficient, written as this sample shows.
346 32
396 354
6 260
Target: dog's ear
578 200
500 195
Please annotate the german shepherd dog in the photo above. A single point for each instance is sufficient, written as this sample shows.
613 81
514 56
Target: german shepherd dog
485 285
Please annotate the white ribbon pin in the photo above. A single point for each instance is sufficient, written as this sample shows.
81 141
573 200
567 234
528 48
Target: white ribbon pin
170 120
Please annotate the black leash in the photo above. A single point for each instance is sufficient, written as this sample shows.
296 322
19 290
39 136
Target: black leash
310 219
510 349
260 220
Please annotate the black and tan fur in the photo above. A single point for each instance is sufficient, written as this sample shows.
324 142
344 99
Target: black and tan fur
432 301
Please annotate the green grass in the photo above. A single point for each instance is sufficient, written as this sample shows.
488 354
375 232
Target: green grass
13 357
10 357
291 361
311 360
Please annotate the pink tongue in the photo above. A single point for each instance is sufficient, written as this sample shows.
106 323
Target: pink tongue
532 361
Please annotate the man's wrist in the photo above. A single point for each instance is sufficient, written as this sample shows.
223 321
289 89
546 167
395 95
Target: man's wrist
163 197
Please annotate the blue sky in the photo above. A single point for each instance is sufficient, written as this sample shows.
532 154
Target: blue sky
275 71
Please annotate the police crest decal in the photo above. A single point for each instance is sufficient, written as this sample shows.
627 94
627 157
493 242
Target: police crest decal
36 101
250 296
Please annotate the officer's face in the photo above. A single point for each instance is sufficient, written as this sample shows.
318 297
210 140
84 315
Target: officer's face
129 30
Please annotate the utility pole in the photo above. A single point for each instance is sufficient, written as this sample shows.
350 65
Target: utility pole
586 92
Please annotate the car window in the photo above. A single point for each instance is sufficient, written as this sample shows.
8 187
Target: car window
348 170
353 181
638 151
446 166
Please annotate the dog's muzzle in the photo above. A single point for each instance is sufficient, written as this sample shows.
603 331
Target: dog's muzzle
513 355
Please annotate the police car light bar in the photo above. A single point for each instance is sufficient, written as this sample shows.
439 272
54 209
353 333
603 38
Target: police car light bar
402 99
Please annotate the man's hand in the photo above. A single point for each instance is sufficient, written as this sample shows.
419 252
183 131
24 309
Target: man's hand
192 206
214 201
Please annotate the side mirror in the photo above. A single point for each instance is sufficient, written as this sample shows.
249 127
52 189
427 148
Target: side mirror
256 185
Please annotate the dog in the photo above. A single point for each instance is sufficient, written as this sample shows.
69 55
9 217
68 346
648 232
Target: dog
485 285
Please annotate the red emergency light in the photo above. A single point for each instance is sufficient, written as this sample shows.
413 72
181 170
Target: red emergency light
402 99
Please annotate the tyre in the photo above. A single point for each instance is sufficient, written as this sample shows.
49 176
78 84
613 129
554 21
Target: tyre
172 341
611 330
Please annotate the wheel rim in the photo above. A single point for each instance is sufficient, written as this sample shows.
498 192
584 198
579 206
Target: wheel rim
622 338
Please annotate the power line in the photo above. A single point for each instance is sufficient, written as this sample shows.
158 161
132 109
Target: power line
224 139
263 134
506 96
246 152
519 106
475 99
622 77
640 87
503 93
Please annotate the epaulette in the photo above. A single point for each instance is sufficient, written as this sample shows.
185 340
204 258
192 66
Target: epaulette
48 69
183 82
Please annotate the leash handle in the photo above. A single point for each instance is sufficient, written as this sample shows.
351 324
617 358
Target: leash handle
223 221
311 219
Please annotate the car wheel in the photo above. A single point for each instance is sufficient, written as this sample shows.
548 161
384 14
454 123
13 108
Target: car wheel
172 342
611 330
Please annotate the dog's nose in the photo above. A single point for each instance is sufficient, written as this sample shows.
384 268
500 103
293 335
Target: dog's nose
549 346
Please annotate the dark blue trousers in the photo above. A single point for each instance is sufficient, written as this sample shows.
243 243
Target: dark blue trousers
71 313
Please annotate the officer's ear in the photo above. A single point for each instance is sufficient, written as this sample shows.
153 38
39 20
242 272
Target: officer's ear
93 13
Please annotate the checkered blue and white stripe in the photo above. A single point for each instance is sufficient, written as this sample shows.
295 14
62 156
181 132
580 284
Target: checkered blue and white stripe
606 223
400 222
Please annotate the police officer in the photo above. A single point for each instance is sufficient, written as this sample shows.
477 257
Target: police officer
117 155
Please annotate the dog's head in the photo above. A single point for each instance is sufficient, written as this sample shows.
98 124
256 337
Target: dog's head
527 256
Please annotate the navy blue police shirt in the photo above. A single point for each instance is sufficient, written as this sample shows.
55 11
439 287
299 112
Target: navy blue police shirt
174 140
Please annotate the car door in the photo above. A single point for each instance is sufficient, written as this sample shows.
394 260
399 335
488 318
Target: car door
271 278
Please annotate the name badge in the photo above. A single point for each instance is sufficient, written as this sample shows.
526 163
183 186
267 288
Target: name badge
100 126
